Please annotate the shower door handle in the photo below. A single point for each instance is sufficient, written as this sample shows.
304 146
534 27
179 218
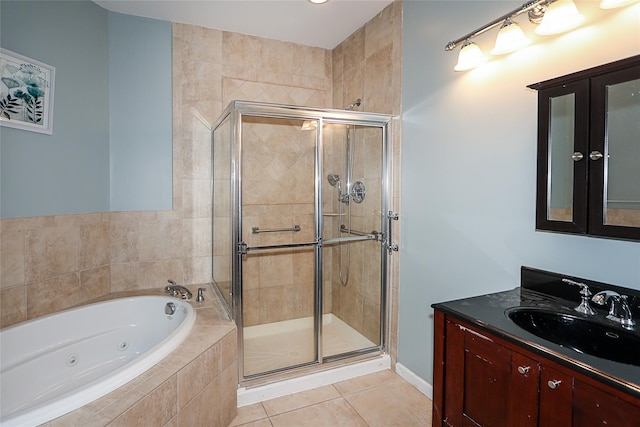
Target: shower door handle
391 247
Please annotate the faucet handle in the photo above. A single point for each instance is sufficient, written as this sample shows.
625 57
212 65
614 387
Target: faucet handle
585 291
584 307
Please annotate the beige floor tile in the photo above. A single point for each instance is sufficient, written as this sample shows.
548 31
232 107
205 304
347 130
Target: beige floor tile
333 413
396 404
300 400
248 414
366 382
260 423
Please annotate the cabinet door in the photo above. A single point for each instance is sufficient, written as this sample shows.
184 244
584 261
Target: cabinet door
523 396
563 136
597 407
614 175
556 394
486 384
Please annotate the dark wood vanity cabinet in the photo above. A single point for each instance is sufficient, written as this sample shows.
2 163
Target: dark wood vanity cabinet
588 180
482 380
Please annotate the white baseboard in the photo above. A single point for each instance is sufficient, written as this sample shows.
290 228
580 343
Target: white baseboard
422 386
249 396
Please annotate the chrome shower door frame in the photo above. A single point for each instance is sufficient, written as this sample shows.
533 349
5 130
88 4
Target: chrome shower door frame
235 111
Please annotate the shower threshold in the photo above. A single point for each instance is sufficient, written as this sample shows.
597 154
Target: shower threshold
278 345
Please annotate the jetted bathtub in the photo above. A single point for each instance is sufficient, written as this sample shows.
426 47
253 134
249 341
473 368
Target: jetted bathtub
57 363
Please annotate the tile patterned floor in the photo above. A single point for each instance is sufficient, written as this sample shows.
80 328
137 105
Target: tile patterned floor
382 399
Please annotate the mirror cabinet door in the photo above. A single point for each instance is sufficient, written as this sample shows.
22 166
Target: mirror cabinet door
562 152
615 154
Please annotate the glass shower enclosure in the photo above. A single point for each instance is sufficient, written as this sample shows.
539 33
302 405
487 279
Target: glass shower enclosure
300 232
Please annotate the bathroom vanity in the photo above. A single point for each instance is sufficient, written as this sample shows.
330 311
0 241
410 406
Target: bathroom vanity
491 371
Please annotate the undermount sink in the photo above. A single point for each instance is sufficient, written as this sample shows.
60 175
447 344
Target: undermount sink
579 334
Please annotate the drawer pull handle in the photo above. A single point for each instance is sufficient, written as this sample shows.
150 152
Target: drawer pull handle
523 369
553 384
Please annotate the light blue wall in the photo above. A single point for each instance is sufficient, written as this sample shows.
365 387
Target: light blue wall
67 172
468 164
111 142
140 129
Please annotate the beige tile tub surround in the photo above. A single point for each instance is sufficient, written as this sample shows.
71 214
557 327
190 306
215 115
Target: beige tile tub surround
52 263
195 385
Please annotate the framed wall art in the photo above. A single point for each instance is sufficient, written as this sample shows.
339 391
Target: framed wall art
26 93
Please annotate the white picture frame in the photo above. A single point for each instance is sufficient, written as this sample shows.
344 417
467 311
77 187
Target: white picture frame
26 93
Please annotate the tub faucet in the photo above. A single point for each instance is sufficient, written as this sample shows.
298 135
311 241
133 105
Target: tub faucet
174 289
619 310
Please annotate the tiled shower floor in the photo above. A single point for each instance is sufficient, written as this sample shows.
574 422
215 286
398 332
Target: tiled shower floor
290 343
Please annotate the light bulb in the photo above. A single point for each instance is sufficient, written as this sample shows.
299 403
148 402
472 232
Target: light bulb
470 57
560 16
510 38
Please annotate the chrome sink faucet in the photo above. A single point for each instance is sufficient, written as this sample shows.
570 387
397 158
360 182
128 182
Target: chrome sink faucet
619 310
585 306
174 289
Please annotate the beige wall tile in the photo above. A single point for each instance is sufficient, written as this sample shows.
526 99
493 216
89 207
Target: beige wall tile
12 262
203 409
48 296
94 245
13 306
124 238
155 409
50 252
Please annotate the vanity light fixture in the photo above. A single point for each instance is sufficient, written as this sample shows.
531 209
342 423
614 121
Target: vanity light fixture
553 16
612 4
318 1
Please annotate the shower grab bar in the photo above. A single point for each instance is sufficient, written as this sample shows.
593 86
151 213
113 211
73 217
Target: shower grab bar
344 229
350 239
256 230
243 248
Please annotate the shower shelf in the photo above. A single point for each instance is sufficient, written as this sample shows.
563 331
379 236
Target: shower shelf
332 214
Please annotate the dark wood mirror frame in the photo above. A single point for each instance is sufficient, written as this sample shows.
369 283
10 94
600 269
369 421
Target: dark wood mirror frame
590 133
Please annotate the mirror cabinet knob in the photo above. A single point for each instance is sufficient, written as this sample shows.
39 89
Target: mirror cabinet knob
595 155
577 156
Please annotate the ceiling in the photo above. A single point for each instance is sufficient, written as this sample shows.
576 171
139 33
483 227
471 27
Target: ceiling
298 21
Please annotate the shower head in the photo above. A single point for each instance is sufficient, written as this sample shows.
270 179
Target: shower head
334 179
356 103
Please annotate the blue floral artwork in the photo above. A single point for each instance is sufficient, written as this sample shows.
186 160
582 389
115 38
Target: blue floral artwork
26 93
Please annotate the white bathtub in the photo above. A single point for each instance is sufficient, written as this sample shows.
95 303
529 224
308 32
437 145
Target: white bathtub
57 363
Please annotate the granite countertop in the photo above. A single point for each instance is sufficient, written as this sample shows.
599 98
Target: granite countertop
487 312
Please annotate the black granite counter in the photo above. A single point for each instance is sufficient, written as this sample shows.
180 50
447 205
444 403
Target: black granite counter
546 290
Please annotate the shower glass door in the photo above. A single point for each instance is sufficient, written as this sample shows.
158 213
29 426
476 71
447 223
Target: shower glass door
301 234
353 256
277 205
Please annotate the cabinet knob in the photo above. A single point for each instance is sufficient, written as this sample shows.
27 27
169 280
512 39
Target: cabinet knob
595 155
577 156
553 384
523 369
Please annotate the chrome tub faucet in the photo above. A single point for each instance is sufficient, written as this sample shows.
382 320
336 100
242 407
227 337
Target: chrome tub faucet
619 309
174 289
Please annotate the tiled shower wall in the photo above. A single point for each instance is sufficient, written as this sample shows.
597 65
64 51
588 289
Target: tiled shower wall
368 65
51 263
